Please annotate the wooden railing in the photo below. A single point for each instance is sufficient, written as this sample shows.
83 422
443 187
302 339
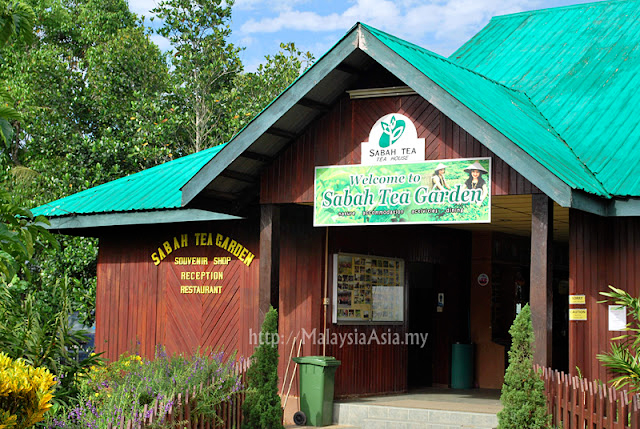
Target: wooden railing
178 412
576 403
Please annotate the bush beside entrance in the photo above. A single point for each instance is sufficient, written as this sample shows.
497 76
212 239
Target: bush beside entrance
523 390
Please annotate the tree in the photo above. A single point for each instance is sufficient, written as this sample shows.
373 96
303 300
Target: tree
253 91
21 234
92 95
622 360
205 65
16 22
262 408
523 390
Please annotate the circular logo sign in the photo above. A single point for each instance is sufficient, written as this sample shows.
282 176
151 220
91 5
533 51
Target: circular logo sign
392 140
391 129
483 279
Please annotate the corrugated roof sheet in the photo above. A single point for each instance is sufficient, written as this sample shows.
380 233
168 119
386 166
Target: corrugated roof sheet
152 189
580 67
508 110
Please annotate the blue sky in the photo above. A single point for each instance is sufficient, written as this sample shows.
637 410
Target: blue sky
438 25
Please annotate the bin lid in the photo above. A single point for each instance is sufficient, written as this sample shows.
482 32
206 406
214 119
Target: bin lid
317 360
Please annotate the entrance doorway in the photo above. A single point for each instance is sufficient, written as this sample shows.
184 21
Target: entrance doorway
422 301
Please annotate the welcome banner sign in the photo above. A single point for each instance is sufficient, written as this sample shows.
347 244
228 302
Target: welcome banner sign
440 191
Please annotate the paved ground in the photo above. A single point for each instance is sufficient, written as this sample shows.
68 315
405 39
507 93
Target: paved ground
473 401
327 427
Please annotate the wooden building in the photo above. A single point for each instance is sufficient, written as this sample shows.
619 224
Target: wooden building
193 252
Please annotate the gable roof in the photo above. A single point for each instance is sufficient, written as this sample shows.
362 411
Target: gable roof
503 119
580 66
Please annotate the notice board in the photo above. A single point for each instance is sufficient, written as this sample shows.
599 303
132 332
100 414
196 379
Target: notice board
367 289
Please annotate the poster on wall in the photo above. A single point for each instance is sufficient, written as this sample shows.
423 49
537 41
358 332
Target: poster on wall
440 191
367 289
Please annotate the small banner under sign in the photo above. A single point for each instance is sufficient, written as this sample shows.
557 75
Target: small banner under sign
578 314
577 299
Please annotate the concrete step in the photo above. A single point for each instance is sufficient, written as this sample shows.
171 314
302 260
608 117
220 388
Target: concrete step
385 417
394 424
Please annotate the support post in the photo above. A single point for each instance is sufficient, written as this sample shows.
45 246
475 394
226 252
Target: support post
269 259
541 285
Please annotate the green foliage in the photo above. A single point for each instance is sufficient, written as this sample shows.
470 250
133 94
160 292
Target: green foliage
34 327
25 393
523 390
7 114
16 21
76 260
623 358
253 91
32 330
123 388
262 407
21 233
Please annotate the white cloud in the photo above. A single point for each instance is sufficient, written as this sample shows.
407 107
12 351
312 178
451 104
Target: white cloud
142 7
371 11
294 20
274 5
247 41
162 42
449 22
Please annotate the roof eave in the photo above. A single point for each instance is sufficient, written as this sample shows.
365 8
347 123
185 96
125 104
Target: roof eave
103 220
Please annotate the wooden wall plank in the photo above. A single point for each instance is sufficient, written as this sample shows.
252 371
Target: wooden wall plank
603 251
139 301
335 138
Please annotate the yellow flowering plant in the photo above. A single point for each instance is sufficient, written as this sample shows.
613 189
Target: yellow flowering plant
25 393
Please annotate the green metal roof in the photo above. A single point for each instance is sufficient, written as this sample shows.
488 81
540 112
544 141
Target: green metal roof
508 110
549 91
579 66
156 188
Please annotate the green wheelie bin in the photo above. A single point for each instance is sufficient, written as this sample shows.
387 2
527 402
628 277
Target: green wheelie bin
461 366
317 377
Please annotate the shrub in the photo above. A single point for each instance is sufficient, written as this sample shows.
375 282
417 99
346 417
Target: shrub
124 387
262 406
34 316
25 393
523 390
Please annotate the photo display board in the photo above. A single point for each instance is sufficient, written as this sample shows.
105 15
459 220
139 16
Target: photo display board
367 289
